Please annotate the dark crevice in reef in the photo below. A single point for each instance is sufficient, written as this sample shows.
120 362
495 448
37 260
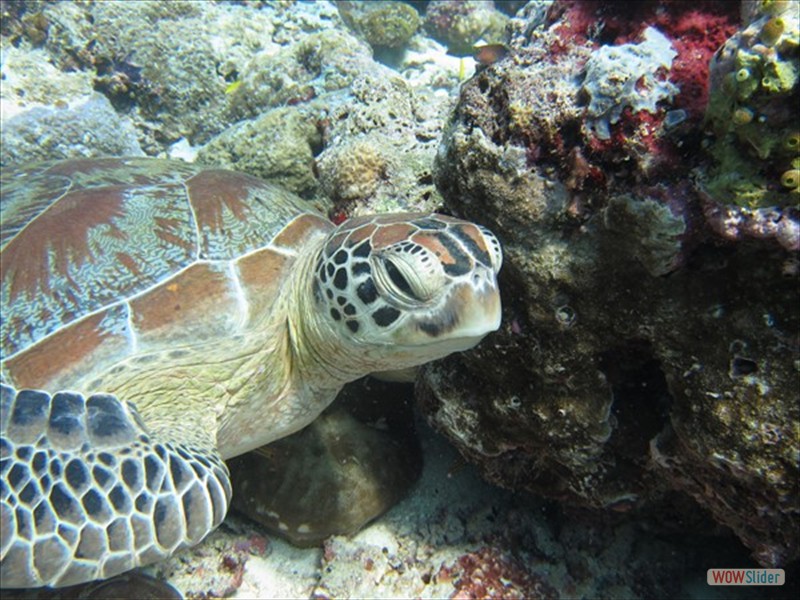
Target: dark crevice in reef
641 398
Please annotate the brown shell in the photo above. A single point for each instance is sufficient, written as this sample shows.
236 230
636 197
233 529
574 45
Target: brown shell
103 257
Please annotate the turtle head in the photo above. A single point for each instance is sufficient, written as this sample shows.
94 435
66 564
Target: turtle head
410 287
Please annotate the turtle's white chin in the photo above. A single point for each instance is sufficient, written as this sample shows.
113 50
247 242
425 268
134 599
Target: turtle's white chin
460 326
442 348
414 355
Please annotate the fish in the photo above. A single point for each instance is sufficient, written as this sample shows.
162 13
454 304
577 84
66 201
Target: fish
488 54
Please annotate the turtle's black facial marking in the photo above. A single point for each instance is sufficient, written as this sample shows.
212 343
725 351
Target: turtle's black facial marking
363 250
460 263
340 279
448 320
432 329
366 292
472 247
431 223
385 316
361 268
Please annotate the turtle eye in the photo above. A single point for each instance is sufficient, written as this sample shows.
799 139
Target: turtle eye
402 281
399 280
407 274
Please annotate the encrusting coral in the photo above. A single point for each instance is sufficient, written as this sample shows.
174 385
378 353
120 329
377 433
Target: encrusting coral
627 76
754 95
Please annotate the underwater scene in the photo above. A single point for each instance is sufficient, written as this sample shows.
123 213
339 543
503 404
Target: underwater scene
400 299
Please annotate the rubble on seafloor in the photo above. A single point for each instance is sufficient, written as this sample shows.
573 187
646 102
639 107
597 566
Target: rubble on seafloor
453 536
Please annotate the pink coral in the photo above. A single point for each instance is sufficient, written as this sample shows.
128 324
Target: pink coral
695 29
737 223
639 135
491 573
654 143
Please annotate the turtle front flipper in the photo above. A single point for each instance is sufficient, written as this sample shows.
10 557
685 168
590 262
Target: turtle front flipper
86 493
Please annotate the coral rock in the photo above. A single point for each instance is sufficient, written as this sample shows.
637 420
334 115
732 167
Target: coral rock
628 75
460 24
614 384
387 24
350 465
752 110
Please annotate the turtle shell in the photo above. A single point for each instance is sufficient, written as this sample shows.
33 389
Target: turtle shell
103 258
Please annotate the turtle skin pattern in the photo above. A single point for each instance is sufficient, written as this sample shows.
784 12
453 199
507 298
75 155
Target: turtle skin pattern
86 494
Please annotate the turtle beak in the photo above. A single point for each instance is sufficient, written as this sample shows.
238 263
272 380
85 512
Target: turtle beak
471 311
478 306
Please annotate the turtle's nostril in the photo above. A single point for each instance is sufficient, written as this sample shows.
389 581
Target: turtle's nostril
483 278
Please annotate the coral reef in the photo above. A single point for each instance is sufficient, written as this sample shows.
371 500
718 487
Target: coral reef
320 62
382 140
121 46
755 91
280 145
87 126
353 170
122 37
670 77
30 80
618 77
369 150
270 91
460 24
649 229
48 113
384 25
740 223
641 352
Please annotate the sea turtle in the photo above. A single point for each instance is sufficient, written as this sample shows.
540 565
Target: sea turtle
159 317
